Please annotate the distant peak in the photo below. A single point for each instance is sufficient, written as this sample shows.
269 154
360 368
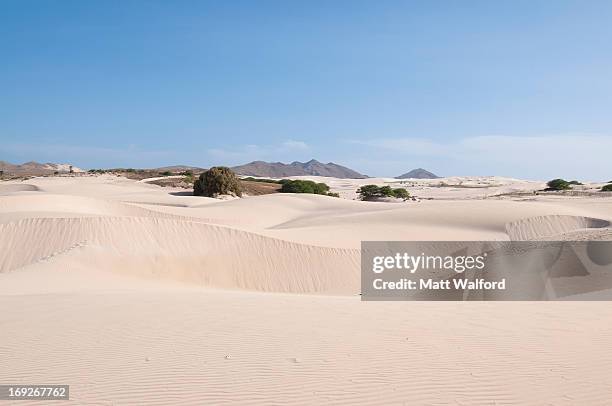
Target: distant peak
418 173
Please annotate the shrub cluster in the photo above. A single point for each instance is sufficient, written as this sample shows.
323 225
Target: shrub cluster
305 186
558 184
372 192
188 177
218 180
607 188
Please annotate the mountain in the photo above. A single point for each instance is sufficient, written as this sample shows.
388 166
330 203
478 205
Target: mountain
180 168
35 168
281 170
418 173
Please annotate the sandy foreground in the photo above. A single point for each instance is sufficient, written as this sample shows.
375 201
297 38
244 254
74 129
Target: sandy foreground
136 294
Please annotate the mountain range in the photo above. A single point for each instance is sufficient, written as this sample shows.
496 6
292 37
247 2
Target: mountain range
255 168
310 168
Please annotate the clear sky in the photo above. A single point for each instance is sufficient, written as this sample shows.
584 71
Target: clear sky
513 88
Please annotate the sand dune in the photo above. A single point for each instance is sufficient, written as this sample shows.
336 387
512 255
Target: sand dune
192 252
135 294
12 188
551 226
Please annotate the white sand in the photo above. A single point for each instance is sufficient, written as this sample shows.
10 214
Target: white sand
133 295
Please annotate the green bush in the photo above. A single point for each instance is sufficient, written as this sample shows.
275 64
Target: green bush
575 182
607 188
385 191
218 180
367 192
558 184
304 186
401 193
321 188
371 192
166 173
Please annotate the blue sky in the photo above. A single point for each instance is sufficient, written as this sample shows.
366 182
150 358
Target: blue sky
513 88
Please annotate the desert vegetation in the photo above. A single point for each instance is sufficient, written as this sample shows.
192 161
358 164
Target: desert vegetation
305 186
188 177
607 188
373 192
558 184
218 180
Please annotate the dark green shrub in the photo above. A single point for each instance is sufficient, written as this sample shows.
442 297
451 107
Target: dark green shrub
197 188
218 180
321 189
304 186
558 184
607 188
371 192
165 173
575 182
368 192
333 194
298 186
385 191
401 193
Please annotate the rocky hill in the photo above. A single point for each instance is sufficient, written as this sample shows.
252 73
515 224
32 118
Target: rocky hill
281 170
418 173
35 168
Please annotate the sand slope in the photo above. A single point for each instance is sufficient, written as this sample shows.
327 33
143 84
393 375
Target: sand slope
135 294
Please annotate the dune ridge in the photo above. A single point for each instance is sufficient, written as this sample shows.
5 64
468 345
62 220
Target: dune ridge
209 255
549 226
